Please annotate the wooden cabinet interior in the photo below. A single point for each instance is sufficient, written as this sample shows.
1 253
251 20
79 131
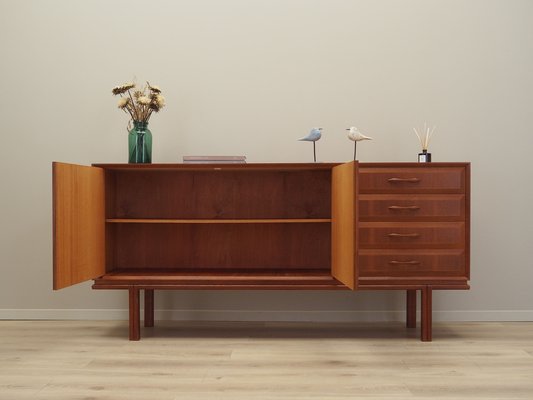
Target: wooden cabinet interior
210 220
262 226
207 194
277 246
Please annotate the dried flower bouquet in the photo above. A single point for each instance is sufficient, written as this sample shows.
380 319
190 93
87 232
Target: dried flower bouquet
141 103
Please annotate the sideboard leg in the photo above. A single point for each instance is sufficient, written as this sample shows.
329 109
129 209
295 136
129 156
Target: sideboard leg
426 325
411 308
148 308
135 326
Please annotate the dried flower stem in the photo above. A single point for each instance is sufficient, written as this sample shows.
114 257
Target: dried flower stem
134 111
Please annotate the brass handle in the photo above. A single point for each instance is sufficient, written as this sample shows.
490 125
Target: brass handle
399 180
411 262
404 208
410 235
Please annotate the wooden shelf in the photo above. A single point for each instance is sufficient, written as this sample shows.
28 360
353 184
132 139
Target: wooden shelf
217 221
215 279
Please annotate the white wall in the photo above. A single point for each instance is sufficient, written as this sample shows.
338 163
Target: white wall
250 77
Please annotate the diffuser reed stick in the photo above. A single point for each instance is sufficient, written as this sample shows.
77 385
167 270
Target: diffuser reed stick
425 136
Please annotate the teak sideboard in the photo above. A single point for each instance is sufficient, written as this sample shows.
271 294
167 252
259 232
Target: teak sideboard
324 226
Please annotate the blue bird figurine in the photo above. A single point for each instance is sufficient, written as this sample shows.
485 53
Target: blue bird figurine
314 135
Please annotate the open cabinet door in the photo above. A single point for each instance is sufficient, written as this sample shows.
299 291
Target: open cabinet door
344 224
79 223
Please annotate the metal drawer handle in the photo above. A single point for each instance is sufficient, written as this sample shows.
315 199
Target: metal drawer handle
404 208
399 180
411 262
410 235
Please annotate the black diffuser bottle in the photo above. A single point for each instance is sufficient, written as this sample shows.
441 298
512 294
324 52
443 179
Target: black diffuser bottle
424 156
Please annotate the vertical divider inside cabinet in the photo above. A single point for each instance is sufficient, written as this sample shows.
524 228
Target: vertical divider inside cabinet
110 212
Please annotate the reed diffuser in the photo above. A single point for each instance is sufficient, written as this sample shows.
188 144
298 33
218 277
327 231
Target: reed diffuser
424 137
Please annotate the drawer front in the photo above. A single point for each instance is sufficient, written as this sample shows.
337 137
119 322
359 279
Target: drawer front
411 235
412 180
412 208
412 263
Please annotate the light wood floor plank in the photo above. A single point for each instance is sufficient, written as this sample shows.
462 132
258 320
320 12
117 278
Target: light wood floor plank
43 360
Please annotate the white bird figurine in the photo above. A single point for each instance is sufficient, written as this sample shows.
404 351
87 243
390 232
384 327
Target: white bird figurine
356 136
314 135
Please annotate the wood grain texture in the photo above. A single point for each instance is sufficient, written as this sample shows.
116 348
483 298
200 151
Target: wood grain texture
218 221
281 167
79 225
415 225
410 308
412 207
74 360
343 224
420 235
412 262
412 282
402 178
467 219
149 308
134 313
223 246
284 226
221 194
426 321
217 279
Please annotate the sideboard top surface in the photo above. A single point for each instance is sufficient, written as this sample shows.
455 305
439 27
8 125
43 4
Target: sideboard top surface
221 166
269 166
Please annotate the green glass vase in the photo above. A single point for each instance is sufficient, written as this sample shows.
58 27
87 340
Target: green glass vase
140 144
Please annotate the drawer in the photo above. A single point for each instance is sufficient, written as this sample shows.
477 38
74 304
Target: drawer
386 207
411 235
410 263
412 180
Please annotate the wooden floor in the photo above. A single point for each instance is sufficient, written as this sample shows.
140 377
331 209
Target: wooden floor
94 360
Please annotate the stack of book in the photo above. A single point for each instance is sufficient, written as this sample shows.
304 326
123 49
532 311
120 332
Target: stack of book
214 159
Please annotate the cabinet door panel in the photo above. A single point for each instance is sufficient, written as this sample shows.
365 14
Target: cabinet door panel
79 223
344 224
